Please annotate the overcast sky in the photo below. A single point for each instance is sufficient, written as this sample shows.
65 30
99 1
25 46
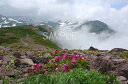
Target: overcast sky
57 8
112 12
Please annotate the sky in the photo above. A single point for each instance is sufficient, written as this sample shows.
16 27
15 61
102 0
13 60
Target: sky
55 9
112 12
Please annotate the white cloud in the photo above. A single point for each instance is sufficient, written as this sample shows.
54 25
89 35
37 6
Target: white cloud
80 10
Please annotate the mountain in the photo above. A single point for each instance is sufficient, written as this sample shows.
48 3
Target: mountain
9 22
26 19
24 37
96 26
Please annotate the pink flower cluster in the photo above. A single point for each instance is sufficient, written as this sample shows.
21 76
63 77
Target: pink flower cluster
66 67
62 62
56 51
36 67
73 56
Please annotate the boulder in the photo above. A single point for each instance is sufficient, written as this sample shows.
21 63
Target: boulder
27 53
20 64
17 54
47 55
118 50
27 61
6 59
39 60
110 64
93 49
122 80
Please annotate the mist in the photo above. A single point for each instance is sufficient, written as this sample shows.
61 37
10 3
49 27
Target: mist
112 12
116 19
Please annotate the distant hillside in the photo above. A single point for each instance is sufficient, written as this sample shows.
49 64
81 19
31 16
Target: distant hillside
9 22
24 37
97 27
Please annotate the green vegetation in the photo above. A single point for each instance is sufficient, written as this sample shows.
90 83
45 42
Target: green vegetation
23 31
75 76
42 29
124 55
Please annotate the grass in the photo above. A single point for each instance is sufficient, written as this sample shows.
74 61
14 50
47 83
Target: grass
23 31
124 55
75 76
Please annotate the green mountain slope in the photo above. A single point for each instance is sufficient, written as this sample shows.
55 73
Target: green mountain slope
24 36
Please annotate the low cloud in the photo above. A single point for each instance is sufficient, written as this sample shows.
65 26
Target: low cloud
112 12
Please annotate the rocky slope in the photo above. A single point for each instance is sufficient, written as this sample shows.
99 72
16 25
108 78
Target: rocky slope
107 62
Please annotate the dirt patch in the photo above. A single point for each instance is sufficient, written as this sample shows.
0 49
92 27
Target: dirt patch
9 34
27 41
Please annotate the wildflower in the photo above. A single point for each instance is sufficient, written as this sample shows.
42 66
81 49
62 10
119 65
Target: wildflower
64 57
73 55
57 58
73 62
66 68
46 72
62 64
34 67
38 66
56 51
57 69
83 58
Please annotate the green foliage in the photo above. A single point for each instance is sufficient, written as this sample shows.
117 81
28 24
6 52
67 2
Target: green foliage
2 33
124 55
8 40
75 76
42 29
23 31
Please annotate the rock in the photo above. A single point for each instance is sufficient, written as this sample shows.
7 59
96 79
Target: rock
1 81
118 60
27 53
118 50
39 60
25 75
19 64
1 57
27 61
47 55
93 49
110 64
0 61
17 54
23 57
101 64
6 59
122 80
107 58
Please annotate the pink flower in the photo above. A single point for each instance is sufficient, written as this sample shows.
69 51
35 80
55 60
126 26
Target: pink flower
46 72
73 62
71 57
57 69
62 64
78 57
56 51
34 67
64 57
57 58
38 66
66 68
